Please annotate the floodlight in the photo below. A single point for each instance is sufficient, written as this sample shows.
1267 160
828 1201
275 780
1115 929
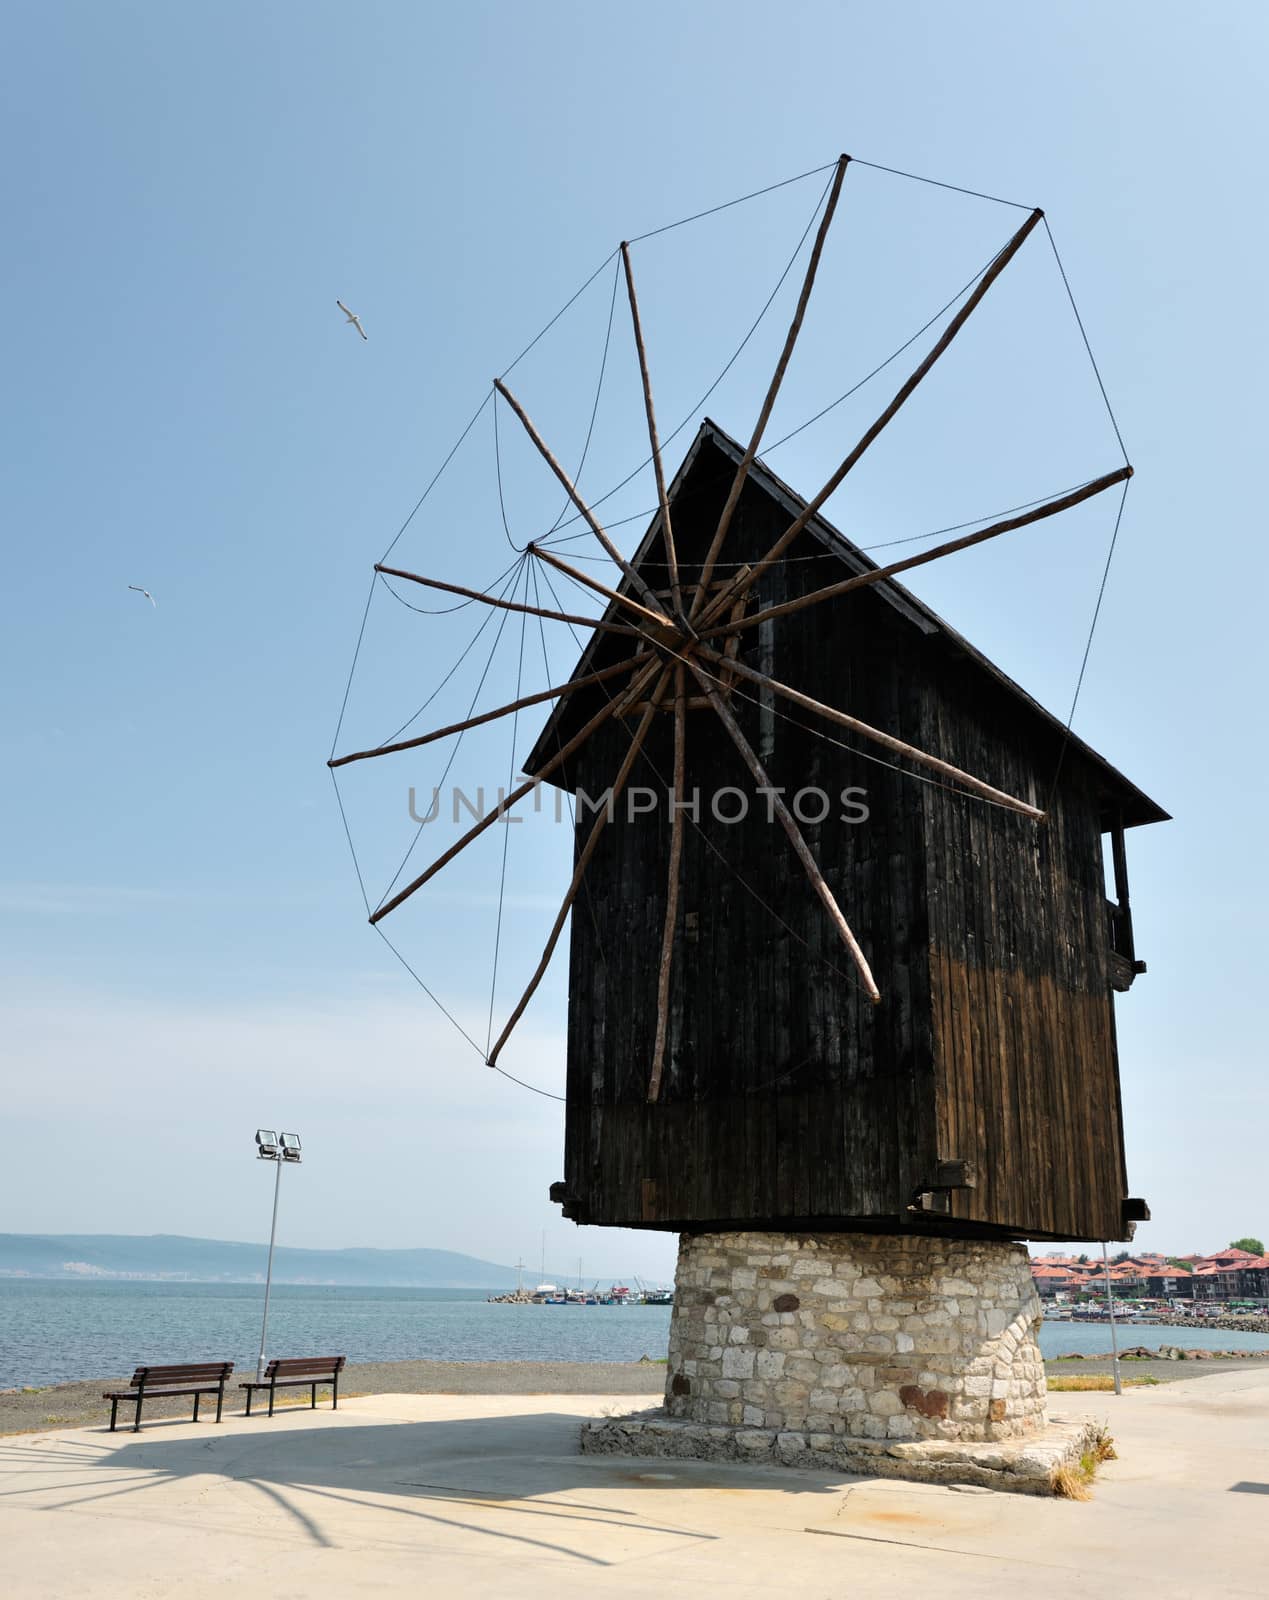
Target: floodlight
267 1141
290 1143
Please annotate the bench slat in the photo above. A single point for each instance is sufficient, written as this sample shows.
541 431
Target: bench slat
188 1366
157 1391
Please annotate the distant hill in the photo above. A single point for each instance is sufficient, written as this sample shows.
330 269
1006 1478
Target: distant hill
169 1256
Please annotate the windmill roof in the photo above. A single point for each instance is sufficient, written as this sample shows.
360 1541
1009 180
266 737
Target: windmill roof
1134 805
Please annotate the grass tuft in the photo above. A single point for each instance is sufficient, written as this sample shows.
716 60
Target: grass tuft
1097 1382
1074 1481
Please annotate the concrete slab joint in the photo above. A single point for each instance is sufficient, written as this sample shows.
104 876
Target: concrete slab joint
919 1352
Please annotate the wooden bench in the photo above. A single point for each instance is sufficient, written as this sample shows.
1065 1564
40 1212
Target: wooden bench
154 1383
303 1372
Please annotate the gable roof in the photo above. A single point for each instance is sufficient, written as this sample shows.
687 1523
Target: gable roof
1136 807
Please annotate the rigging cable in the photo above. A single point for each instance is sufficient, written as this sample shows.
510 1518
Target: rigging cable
731 362
453 755
506 830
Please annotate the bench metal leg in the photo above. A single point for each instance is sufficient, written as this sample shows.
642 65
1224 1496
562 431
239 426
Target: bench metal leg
272 1392
250 1392
313 1406
334 1393
220 1401
114 1411
136 1426
197 1398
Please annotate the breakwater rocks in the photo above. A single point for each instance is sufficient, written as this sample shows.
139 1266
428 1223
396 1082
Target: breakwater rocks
1168 1352
1227 1322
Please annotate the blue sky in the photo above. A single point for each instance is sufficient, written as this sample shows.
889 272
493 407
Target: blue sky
196 184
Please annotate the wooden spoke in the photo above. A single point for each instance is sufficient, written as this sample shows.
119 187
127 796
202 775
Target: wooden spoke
667 532
516 795
863 579
789 824
570 490
583 860
738 483
672 884
491 716
949 333
656 618
945 768
509 605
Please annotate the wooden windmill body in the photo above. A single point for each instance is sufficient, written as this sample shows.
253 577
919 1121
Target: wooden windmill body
980 1094
898 1023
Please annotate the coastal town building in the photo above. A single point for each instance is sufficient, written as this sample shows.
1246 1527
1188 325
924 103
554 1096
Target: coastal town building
1230 1274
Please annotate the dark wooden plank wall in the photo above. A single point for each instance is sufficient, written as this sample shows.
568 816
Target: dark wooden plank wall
788 1097
787 1094
1026 1062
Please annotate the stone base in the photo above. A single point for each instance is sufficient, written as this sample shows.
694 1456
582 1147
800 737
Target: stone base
896 1339
1021 1466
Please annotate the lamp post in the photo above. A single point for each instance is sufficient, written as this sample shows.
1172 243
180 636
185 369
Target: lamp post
1114 1337
278 1148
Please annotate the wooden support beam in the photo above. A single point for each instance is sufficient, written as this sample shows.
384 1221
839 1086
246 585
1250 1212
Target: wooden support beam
738 483
656 618
570 490
583 861
905 391
510 605
845 720
665 970
516 795
570 687
864 579
667 532
787 822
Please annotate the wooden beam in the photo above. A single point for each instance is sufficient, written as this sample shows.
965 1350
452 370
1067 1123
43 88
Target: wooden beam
571 490
491 716
667 532
583 861
880 574
787 822
738 483
510 605
845 720
656 618
516 795
672 885
905 391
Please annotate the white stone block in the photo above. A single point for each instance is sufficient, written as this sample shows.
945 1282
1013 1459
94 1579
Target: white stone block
738 1362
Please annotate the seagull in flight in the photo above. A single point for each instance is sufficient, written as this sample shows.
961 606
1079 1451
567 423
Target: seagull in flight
136 589
352 317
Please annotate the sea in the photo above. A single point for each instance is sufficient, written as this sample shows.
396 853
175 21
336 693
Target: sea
54 1332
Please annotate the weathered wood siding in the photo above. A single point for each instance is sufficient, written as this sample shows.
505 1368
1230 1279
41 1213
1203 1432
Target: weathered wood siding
1025 1058
788 1097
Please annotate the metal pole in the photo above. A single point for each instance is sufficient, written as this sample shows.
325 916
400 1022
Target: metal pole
268 1277
1114 1337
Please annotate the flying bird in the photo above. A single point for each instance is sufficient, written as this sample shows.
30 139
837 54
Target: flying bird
352 317
137 590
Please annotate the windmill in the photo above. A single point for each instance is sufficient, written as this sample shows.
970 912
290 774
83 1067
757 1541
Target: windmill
907 1033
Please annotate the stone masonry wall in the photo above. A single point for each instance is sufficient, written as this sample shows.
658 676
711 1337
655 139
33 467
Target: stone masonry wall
867 1336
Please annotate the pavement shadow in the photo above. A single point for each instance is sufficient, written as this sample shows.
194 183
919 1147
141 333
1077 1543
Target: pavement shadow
450 1473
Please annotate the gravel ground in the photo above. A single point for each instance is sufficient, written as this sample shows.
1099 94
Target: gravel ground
81 1405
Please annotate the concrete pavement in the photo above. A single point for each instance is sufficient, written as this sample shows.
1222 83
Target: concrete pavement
487 1495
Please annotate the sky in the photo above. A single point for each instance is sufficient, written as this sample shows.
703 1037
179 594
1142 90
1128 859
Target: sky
183 941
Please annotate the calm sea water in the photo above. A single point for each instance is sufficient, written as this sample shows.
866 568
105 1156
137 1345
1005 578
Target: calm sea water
54 1332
